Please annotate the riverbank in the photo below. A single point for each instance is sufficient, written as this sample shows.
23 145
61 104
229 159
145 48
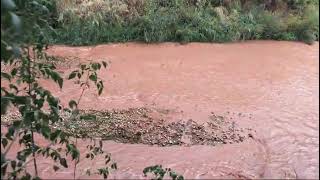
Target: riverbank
74 22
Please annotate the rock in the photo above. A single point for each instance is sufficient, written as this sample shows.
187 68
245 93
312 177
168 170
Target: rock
134 126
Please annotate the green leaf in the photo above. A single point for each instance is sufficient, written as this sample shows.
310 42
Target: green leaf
19 81
38 127
104 172
54 135
13 87
36 115
100 90
56 168
52 154
15 21
96 66
180 178
4 142
100 87
21 100
3 169
8 4
88 172
73 150
83 66
10 132
93 77
4 105
22 155
46 131
75 154
56 77
173 175
16 124
27 138
36 178
13 164
14 71
72 104
53 102
26 177
108 159
72 74
19 163
16 51
60 82
35 85
6 76
104 64
63 162
114 166
67 110
6 53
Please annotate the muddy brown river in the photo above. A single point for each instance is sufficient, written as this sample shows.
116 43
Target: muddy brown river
269 86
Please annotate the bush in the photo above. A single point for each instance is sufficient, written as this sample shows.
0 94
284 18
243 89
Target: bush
98 21
306 27
272 24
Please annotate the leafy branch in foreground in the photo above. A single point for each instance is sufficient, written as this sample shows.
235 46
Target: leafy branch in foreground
159 172
23 51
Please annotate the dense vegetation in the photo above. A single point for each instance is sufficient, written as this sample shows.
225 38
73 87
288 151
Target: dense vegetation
82 22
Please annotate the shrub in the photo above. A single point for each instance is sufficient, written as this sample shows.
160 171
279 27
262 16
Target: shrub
101 21
306 27
272 24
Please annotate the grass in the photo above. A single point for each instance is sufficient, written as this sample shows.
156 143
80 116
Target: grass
103 21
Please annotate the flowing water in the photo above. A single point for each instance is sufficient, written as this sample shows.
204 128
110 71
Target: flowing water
271 87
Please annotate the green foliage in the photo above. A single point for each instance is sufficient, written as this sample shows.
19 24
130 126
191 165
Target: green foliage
272 25
159 172
90 71
185 21
306 27
22 46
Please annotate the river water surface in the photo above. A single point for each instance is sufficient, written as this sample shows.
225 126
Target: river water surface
271 87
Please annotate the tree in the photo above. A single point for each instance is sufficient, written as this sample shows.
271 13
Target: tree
22 48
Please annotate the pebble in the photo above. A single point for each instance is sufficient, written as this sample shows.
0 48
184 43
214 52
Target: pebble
126 125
